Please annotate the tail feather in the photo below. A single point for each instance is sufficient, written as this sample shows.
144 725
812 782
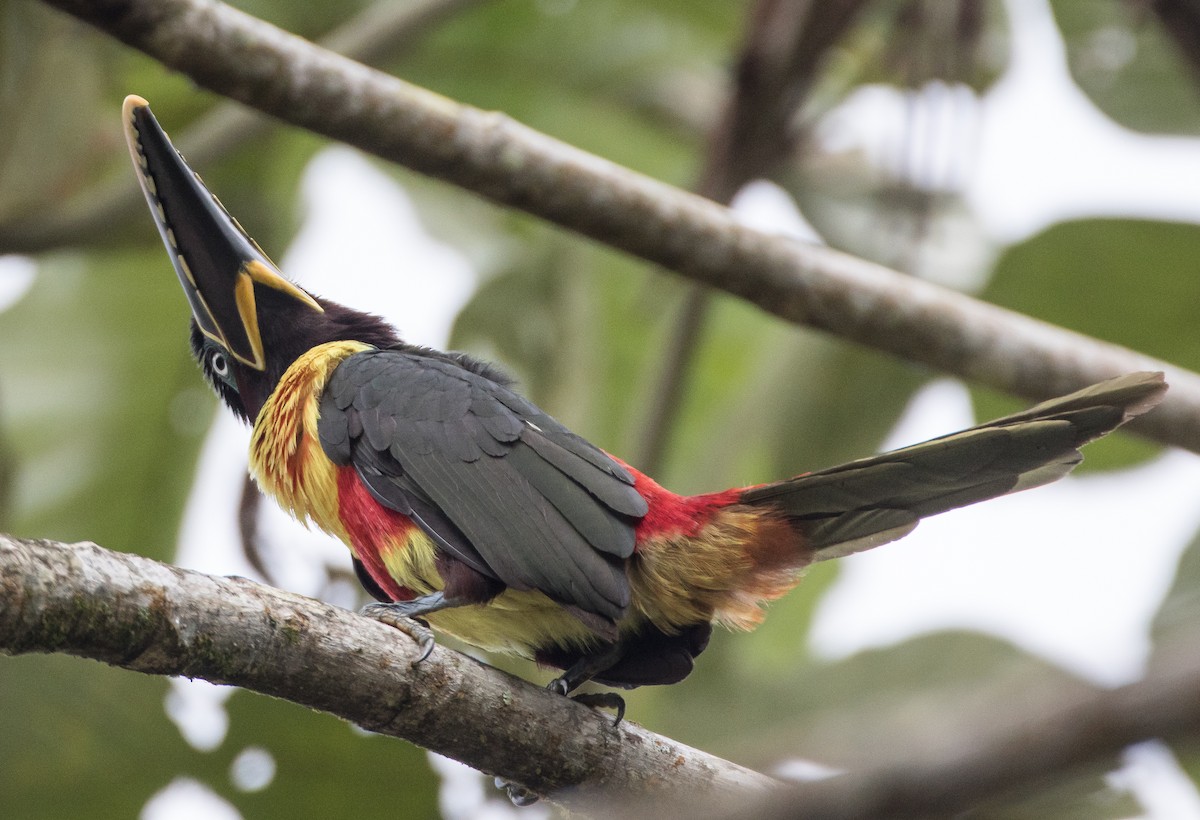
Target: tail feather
866 503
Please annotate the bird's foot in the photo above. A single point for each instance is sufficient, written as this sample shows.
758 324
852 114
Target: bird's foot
603 700
518 795
596 700
401 615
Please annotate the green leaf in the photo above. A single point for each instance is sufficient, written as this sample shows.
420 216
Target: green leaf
1128 66
927 693
1180 609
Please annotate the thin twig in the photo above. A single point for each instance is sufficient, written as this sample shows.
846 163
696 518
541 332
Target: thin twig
248 530
249 60
674 376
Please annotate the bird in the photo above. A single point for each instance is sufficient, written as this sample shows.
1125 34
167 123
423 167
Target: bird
469 509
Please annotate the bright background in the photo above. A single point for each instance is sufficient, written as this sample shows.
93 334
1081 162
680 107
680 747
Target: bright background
1058 178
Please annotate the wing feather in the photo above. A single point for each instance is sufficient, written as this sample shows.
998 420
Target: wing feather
614 495
495 481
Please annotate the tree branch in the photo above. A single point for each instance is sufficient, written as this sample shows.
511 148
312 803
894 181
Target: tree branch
488 153
149 617
145 616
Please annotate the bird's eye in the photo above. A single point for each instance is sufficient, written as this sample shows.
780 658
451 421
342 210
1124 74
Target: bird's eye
220 365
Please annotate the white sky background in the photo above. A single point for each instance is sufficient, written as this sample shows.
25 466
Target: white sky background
1040 153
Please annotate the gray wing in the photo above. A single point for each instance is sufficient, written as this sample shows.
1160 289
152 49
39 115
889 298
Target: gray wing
496 482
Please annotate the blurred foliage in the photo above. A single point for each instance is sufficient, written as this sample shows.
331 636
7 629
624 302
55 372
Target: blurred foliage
70 138
1113 49
102 413
110 360
84 739
1180 610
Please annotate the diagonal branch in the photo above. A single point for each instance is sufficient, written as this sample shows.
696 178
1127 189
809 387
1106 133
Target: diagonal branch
145 616
253 62
149 617
1038 742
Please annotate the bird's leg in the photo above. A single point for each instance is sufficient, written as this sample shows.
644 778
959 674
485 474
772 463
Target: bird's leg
584 670
405 615
578 674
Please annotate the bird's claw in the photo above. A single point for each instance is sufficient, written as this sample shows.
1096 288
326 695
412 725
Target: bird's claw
603 700
596 700
396 616
517 794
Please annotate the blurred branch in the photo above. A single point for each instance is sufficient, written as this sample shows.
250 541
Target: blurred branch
248 529
785 45
1001 757
378 33
139 614
249 60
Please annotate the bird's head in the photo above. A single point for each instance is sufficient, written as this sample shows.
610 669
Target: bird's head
249 322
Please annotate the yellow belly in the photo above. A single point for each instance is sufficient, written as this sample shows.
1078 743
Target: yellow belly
515 623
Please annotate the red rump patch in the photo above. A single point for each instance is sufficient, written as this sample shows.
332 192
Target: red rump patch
672 514
372 527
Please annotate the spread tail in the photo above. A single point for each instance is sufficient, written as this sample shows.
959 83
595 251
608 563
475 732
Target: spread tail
866 503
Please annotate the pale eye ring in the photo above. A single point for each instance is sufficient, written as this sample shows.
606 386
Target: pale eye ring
219 364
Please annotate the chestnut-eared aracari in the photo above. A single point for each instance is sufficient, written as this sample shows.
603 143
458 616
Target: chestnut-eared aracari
466 505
